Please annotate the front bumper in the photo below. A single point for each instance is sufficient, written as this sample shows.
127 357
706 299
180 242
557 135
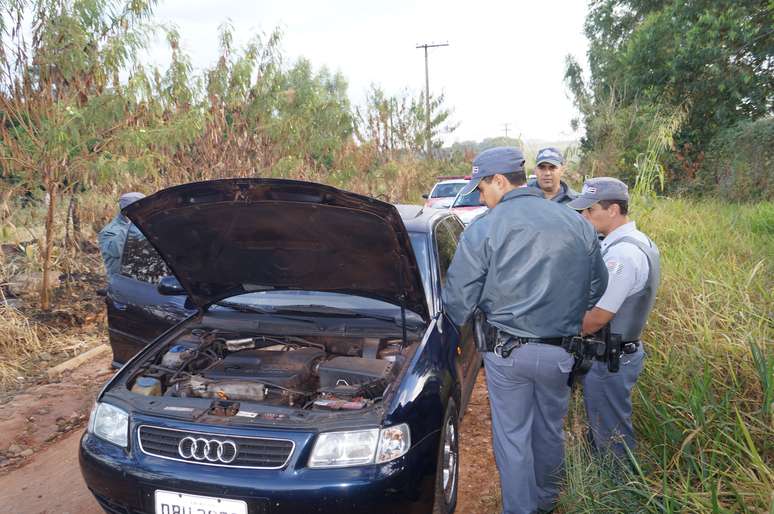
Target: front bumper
125 481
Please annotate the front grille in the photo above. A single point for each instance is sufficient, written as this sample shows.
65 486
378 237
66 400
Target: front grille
252 452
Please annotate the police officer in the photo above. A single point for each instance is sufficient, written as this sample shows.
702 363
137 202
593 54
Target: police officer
549 170
534 289
632 262
113 236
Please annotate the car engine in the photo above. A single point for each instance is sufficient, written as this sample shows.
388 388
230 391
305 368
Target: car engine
317 372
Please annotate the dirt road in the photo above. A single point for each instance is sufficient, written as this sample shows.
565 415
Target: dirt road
50 483
43 426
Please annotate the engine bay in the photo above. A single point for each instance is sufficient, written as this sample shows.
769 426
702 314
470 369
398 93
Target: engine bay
311 372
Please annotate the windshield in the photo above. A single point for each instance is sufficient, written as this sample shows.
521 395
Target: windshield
288 298
445 190
420 247
472 199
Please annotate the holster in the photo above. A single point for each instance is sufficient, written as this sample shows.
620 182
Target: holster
585 350
484 334
603 346
613 349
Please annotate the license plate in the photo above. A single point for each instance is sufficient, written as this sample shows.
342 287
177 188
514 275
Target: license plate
168 502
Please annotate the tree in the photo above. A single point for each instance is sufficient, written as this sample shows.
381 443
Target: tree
395 124
711 59
60 96
78 110
312 118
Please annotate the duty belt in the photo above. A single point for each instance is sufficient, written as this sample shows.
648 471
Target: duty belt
630 346
504 347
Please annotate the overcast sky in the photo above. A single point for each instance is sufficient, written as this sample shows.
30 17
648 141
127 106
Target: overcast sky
505 62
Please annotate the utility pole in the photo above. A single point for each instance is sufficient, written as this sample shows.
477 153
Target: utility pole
505 125
427 94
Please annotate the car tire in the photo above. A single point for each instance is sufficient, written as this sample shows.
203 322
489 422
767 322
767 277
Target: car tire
448 469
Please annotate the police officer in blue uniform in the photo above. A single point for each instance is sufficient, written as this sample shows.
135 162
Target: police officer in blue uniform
549 168
633 265
535 290
113 236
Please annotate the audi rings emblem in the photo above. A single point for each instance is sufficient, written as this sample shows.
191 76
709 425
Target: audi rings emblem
210 450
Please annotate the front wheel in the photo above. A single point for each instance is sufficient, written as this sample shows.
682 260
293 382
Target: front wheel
447 472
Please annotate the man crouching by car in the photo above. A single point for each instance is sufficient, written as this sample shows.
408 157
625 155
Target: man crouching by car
535 290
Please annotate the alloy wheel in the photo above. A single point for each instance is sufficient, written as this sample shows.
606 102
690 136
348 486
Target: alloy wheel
450 453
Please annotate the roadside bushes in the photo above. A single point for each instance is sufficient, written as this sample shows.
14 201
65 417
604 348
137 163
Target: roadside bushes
704 405
739 163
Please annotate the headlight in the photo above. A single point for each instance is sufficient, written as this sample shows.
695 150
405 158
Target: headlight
357 448
110 423
394 442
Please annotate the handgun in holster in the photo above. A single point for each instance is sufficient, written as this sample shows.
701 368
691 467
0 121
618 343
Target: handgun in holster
484 333
585 350
603 346
613 349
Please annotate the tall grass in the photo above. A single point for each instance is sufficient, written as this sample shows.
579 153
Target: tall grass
703 406
19 340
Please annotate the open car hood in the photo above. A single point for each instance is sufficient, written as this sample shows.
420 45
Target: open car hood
226 237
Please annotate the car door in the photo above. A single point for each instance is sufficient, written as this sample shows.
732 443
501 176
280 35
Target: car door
447 234
137 313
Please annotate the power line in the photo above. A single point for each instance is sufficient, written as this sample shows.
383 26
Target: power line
427 93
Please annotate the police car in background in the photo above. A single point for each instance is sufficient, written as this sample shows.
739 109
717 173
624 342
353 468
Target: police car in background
468 207
444 191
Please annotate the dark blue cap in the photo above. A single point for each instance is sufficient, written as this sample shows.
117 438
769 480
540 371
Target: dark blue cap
129 198
502 159
550 155
600 188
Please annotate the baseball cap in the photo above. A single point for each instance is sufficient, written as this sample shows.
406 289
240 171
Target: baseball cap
601 188
550 155
501 159
129 198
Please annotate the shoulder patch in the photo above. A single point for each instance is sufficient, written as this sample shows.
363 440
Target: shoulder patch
614 267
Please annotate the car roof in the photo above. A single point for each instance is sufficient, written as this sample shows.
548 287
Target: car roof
417 218
452 181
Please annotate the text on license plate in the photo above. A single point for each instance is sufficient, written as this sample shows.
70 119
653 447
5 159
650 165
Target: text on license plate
168 502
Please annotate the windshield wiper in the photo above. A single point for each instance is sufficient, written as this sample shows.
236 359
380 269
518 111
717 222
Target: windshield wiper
241 307
337 311
257 309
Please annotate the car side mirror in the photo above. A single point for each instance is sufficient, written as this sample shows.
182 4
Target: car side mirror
101 292
169 286
425 196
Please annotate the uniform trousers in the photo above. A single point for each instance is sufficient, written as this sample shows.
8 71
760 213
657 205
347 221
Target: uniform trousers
529 397
608 400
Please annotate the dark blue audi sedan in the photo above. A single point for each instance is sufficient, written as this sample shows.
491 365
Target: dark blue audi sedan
315 370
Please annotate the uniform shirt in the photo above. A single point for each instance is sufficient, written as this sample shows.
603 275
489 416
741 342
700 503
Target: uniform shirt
533 267
111 243
627 267
565 194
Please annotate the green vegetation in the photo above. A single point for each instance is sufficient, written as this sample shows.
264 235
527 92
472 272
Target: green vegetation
679 98
703 408
690 69
740 162
81 114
